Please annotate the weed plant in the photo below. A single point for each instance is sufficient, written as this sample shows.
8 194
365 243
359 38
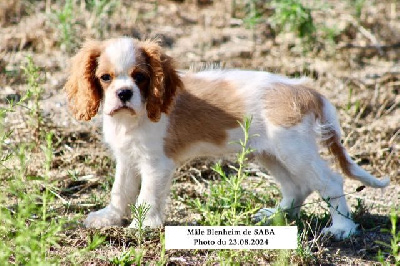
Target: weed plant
253 14
128 257
139 213
394 246
67 20
293 16
100 11
33 96
358 6
228 202
65 23
28 228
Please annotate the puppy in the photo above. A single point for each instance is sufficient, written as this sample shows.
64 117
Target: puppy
155 118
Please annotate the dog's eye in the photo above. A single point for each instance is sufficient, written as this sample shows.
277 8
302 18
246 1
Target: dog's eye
139 78
106 77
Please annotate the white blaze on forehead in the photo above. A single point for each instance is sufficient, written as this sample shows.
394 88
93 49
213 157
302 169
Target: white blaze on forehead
121 54
123 81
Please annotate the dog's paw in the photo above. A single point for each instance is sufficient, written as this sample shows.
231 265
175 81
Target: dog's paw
264 215
104 217
152 221
341 232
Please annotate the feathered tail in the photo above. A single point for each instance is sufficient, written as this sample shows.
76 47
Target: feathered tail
332 142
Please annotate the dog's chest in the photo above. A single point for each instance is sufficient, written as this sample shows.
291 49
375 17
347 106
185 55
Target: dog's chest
133 138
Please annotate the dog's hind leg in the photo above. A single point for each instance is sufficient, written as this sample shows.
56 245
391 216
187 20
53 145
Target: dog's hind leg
293 194
330 187
302 159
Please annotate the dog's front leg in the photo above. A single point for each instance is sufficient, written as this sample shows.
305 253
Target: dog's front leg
124 192
156 182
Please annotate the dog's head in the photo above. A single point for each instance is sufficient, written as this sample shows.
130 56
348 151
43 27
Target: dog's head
125 75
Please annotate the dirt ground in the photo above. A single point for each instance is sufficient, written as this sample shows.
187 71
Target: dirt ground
357 69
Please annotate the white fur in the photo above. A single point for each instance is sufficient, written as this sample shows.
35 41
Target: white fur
120 53
138 146
122 81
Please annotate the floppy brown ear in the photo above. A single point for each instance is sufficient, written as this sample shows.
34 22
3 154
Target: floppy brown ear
83 89
164 80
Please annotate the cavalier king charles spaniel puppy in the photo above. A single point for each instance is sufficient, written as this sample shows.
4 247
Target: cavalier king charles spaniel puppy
156 118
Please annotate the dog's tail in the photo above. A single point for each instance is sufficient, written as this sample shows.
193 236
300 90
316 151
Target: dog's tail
331 139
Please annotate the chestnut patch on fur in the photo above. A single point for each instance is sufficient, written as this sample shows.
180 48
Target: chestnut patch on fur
287 105
164 80
83 88
203 112
336 148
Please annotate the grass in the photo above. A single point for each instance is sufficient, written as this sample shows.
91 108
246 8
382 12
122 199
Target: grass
34 95
65 24
350 101
31 225
253 13
293 16
100 11
50 176
128 257
28 227
393 249
67 20
139 215
228 203
358 6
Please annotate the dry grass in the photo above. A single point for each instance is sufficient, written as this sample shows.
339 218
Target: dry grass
359 72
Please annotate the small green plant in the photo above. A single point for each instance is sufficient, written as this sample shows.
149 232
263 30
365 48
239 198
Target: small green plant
349 101
162 260
237 257
358 7
360 209
394 246
229 257
29 225
95 241
329 34
253 14
34 94
65 23
283 257
139 213
303 250
229 202
100 7
128 257
28 230
100 11
292 15
225 204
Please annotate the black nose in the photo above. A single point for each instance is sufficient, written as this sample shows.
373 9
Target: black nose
124 94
